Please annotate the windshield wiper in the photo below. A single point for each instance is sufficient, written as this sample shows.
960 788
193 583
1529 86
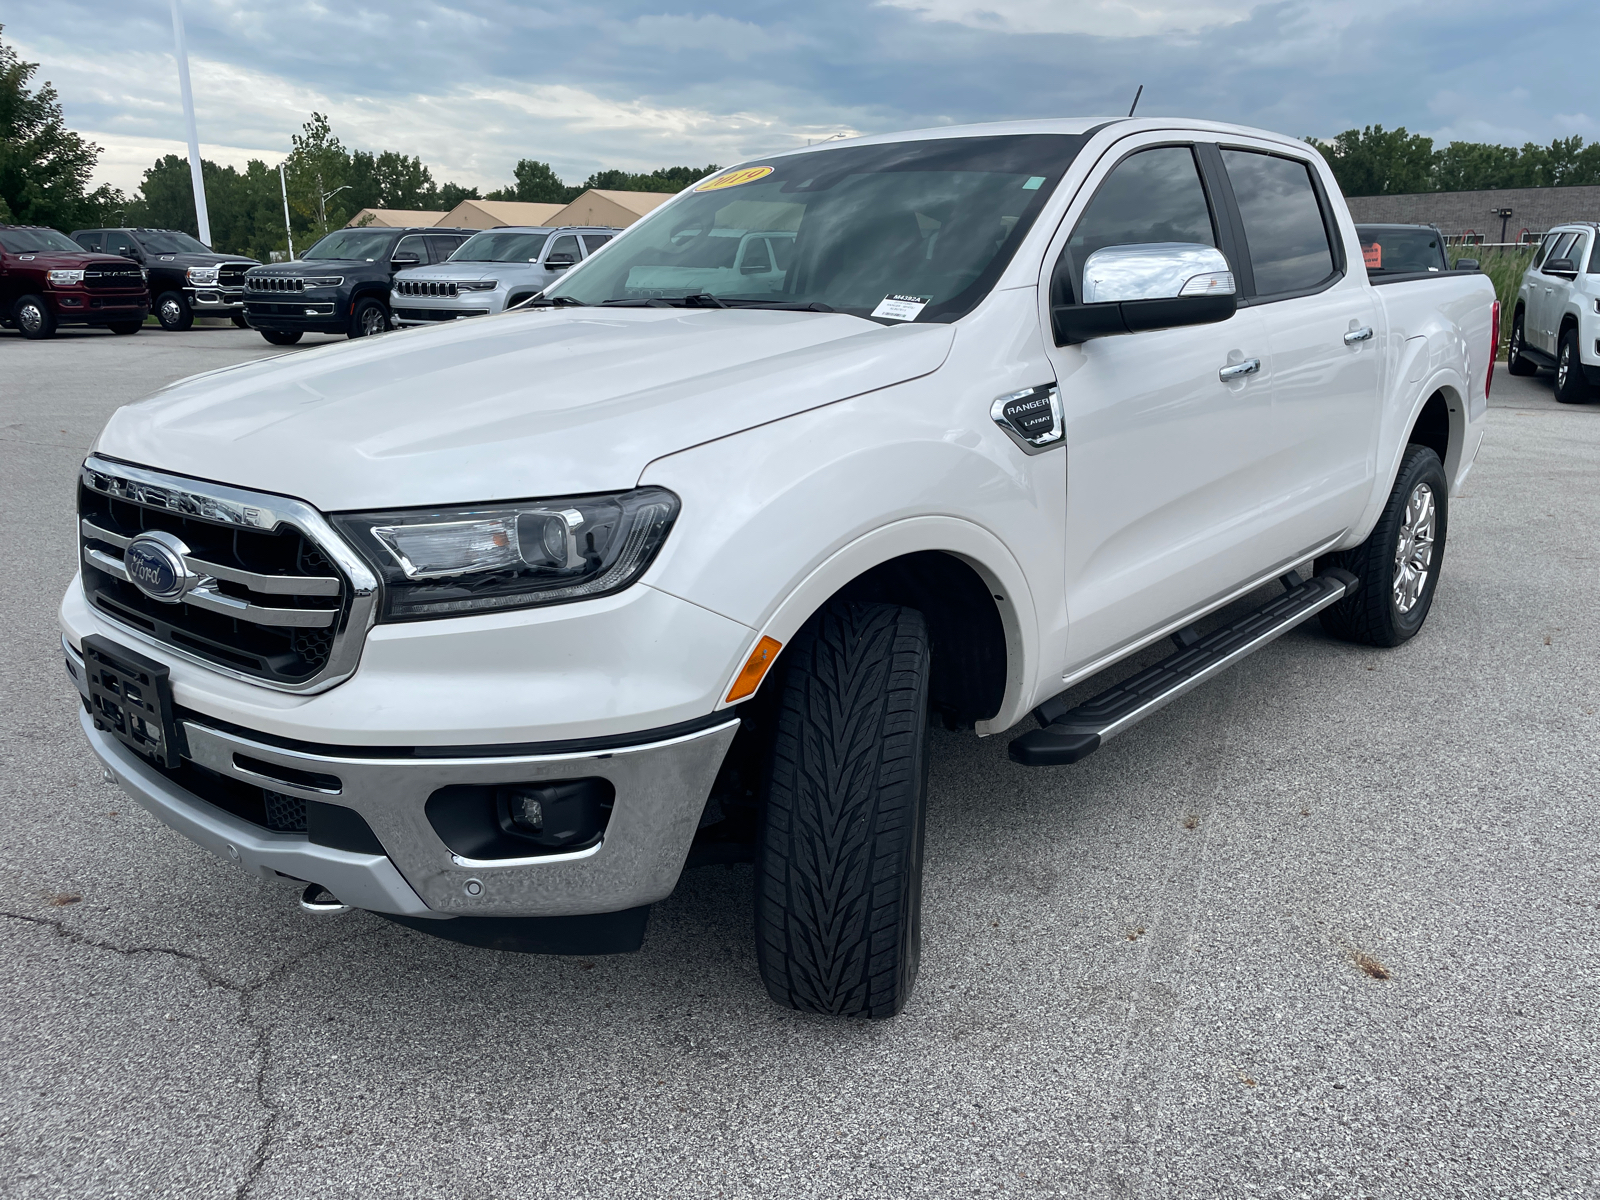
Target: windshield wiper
552 302
782 305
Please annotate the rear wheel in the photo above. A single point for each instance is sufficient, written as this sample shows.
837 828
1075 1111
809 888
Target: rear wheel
174 313
370 317
1572 386
839 853
1398 566
1517 362
281 337
125 327
33 317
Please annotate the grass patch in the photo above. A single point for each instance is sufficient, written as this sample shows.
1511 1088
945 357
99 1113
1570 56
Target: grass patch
1505 269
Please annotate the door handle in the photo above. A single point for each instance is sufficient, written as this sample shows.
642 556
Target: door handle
1358 335
1239 370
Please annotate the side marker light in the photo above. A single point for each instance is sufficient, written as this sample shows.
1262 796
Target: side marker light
755 667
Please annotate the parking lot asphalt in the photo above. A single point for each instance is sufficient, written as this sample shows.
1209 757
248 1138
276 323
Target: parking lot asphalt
1328 927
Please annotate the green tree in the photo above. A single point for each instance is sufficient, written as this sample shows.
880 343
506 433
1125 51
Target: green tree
318 168
1380 162
663 179
44 166
452 194
536 183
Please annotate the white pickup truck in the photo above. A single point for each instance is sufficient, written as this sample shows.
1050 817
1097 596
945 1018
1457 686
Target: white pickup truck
493 628
1556 321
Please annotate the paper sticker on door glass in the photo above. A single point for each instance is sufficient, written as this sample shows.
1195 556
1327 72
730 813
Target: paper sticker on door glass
1372 253
901 308
735 178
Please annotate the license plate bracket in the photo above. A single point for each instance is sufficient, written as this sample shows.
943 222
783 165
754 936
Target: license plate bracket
130 697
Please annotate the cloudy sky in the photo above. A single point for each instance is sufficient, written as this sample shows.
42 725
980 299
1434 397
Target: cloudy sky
474 85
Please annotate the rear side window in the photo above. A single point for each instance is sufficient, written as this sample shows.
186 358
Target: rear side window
1151 196
1283 223
595 240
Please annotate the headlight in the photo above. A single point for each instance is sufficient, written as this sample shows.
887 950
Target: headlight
203 276
451 562
478 285
61 278
324 280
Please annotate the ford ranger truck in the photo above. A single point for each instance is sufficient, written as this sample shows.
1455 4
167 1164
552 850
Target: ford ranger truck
1556 321
342 284
493 627
47 280
186 279
493 271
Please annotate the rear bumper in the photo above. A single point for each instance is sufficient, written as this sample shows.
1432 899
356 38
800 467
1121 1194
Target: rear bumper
661 789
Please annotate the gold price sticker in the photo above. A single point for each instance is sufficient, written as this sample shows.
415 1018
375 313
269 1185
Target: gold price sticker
735 178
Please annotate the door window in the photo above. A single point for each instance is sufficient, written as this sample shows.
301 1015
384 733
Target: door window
1562 247
1151 196
412 244
566 244
445 244
94 241
118 241
1283 222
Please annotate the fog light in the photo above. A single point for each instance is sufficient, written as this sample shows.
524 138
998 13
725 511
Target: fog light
560 816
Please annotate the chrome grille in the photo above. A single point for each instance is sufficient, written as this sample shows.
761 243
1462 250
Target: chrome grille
276 596
113 276
231 275
273 283
426 287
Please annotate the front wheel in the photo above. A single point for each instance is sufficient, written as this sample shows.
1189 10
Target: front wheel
33 318
1517 362
174 313
1398 565
370 317
281 337
1572 387
839 854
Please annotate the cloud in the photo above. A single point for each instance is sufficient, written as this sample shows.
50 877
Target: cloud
1107 18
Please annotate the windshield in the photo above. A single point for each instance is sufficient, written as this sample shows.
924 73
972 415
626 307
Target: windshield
33 241
499 246
1387 251
353 244
169 241
919 230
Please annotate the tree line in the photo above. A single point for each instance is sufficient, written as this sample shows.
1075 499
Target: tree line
1375 161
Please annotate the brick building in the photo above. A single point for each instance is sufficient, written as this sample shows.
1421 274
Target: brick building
1532 209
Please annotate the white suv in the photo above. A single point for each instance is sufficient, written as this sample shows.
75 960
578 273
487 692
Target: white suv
1557 318
492 271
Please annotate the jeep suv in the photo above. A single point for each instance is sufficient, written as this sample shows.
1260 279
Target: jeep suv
342 284
47 279
1556 322
495 270
186 279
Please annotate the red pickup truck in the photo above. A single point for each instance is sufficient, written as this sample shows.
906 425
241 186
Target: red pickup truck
47 280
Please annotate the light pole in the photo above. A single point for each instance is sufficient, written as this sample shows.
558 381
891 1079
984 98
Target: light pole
322 204
1505 215
287 228
202 218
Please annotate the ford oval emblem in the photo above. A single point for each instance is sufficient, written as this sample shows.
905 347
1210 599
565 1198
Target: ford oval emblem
154 562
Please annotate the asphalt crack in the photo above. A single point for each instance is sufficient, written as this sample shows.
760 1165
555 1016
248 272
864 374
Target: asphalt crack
260 1030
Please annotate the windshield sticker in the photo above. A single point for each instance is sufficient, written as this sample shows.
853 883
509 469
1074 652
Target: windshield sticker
1033 183
735 178
1373 255
901 308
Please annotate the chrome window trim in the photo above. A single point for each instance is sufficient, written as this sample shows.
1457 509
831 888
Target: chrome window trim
225 505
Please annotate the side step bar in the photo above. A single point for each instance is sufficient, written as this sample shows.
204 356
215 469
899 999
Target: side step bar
1068 736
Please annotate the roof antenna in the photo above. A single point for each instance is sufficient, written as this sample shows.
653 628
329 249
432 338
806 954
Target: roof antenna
1135 103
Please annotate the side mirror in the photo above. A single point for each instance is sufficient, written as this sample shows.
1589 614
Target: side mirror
560 262
1466 264
1158 285
1561 266
404 260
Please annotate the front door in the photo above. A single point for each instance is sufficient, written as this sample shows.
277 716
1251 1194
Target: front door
1322 323
1163 456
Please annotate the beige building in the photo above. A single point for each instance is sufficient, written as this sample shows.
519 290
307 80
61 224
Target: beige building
491 214
596 207
394 218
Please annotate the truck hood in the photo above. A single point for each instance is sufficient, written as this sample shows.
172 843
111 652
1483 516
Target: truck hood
197 259
66 260
535 403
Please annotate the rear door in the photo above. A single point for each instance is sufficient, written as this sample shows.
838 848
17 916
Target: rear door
1163 457
1322 322
1546 296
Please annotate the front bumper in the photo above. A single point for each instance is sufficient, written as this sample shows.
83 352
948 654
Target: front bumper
84 307
432 310
661 790
214 301
316 315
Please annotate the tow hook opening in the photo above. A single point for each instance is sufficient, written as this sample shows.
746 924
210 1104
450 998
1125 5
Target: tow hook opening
521 820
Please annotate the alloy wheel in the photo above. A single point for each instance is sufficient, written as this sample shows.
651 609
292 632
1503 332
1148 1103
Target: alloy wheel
31 318
171 313
1413 552
1564 365
372 322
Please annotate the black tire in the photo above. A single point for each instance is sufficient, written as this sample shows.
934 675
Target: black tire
33 318
125 327
173 312
281 337
1373 615
1572 385
1517 362
370 317
839 854
239 321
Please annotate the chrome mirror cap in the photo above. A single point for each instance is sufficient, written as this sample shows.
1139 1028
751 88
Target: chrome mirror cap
1155 271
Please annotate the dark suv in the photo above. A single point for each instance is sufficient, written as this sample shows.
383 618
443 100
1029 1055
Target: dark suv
47 279
341 285
186 279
